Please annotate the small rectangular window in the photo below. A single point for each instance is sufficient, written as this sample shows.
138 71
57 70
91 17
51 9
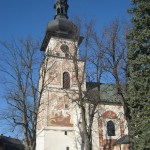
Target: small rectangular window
67 148
66 106
65 132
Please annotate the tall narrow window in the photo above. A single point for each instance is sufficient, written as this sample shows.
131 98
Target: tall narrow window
110 128
66 80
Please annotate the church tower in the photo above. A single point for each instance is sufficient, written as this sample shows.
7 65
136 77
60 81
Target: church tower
58 115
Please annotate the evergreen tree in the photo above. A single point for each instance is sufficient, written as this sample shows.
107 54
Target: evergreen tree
138 94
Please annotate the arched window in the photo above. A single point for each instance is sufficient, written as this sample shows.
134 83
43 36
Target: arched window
110 128
58 10
66 80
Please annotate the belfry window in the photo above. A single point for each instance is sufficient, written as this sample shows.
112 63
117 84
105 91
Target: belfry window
110 128
58 10
66 80
62 10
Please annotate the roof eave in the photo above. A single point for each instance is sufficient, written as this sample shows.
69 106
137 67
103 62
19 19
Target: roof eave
66 35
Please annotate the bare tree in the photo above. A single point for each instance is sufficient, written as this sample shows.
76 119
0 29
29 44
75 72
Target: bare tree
20 69
115 54
83 101
116 59
105 57
108 60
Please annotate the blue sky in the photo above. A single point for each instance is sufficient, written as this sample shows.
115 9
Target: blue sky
30 17
21 18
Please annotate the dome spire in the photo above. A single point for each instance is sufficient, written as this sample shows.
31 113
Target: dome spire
61 7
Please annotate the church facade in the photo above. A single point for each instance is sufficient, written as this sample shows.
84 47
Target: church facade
59 117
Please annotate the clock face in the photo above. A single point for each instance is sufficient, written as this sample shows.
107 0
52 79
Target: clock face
64 48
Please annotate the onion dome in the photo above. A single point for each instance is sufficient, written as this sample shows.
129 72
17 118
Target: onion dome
60 26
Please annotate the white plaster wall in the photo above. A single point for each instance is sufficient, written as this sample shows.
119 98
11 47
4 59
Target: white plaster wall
95 129
77 127
40 140
95 134
57 140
